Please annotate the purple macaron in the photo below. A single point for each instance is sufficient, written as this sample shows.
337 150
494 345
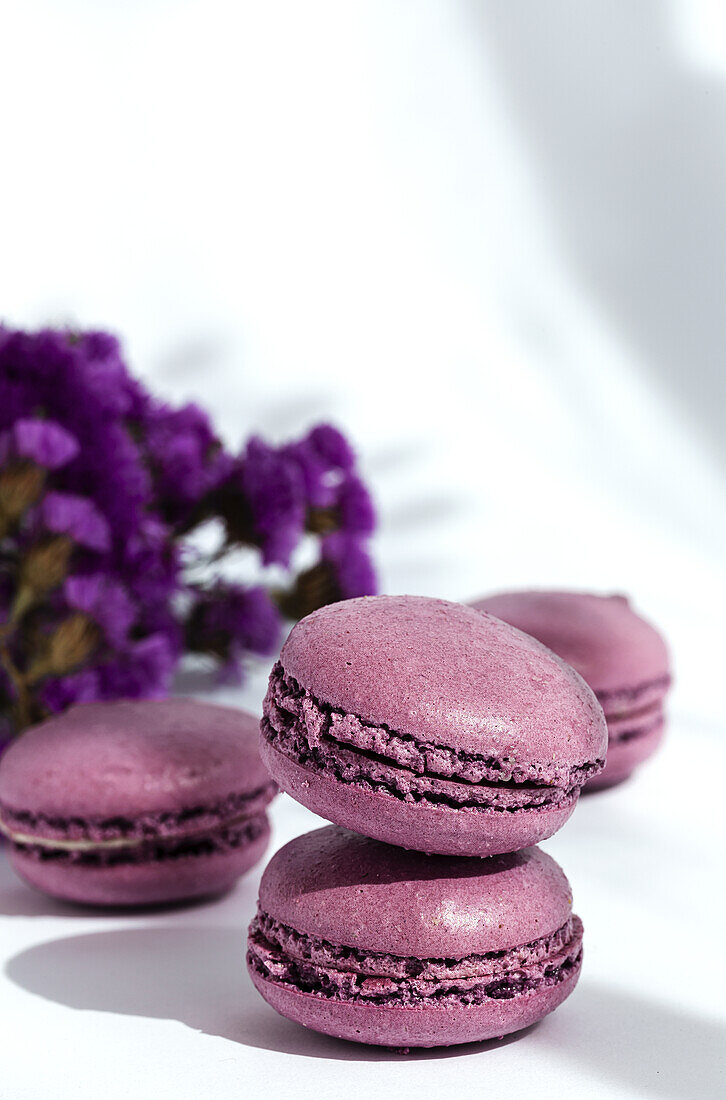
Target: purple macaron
428 725
135 803
372 943
621 656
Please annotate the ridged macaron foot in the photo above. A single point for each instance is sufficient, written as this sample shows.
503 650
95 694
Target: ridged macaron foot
136 803
428 725
376 944
622 657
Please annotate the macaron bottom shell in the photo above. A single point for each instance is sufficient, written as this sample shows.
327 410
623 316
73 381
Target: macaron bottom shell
423 826
147 882
424 1025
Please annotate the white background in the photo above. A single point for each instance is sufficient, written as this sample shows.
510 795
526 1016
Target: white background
489 239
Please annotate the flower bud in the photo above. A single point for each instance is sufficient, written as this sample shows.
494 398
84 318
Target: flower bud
322 521
69 646
313 588
45 565
20 486
72 643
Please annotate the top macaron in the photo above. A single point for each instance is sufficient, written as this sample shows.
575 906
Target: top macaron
622 657
428 725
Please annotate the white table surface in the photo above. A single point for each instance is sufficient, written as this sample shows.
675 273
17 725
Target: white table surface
159 1004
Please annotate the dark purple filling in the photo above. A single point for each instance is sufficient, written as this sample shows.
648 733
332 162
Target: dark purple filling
308 964
629 698
225 839
321 738
195 819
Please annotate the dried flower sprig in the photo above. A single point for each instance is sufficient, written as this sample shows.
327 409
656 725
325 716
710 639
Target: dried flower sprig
102 490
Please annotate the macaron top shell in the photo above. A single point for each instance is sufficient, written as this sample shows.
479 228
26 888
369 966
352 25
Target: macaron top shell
126 758
611 646
444 673
350 890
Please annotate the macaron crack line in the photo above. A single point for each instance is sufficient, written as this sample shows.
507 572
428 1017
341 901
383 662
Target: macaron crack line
325 739
630 698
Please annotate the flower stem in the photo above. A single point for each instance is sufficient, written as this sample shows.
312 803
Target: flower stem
22 705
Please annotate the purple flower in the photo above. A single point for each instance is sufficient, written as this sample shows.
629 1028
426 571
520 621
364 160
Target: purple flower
105 600
317 480
229 620
103 498
44 442
80 382
355 507
273 487
253 620
143 671
350 564
185 457
77 517
332 447
150 563
80 687
323 456
115 392
86 452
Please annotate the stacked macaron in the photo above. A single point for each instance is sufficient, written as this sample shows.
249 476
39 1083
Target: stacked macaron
442 741
622 657
439 735
381 945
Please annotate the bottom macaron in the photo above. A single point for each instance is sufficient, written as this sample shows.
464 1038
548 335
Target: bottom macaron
367 942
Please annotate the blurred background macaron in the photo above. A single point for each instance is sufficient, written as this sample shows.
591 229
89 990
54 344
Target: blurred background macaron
426 724
372 943
622 657
134 803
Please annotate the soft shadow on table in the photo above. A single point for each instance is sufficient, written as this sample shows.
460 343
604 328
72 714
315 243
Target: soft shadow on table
194 975
654 1050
